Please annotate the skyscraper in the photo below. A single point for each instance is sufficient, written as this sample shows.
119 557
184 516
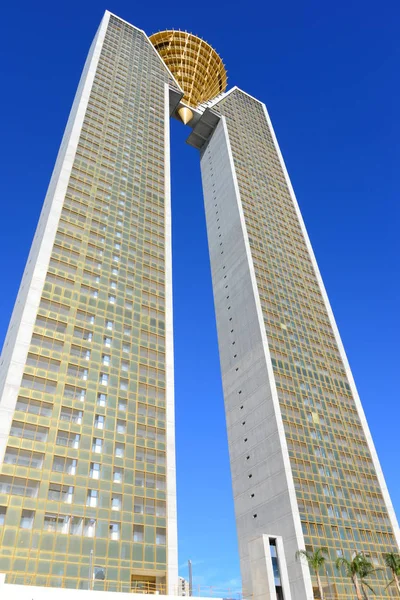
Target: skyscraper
87 483
304 468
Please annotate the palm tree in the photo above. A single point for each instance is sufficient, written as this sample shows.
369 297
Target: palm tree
357 569
392 561
315 561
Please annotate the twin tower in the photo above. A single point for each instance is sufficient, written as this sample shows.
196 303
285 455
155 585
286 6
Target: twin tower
87 442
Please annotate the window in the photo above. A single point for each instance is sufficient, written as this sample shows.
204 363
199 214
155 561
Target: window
161 536
109 325
18 486
121 425
71 415
83 334
28 431
85 316
123 384
78 372
101 399
138 533
23 458
35 407
116 502
160 482
103 378
139 479
161 458
27 517
106 359
92 498
138 506
111 299
60 493
62 464
149 507
75 393
114 531
57 524
97 445
68 439
119 450
151 456
161 509
107 342
89 527
95 470
118 475
3 512
99 421
122 405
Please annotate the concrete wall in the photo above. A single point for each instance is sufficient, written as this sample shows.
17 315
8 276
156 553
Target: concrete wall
172 517
264 499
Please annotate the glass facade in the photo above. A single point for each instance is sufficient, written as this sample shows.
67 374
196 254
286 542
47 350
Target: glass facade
85 463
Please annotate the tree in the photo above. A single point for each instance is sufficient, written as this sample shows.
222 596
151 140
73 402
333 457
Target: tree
357 569
315 561
392 561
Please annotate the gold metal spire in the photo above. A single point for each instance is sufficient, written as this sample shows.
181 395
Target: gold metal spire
185 114
197 67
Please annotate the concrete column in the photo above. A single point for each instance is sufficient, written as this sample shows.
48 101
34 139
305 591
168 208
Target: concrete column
262 575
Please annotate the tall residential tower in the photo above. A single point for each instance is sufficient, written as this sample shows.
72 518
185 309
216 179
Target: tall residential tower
87 481
87 444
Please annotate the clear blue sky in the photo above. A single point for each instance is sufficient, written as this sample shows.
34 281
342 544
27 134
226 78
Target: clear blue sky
328 73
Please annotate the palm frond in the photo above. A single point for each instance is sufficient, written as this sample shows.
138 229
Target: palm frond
390 583
343 562
302 554
369 587
392 561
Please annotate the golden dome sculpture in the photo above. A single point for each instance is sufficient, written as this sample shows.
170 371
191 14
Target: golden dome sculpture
196 66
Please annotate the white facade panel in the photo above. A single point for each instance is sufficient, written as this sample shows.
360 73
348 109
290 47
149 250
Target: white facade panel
261 477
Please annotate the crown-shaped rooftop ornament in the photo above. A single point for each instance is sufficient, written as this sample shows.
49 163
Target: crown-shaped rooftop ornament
196 66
